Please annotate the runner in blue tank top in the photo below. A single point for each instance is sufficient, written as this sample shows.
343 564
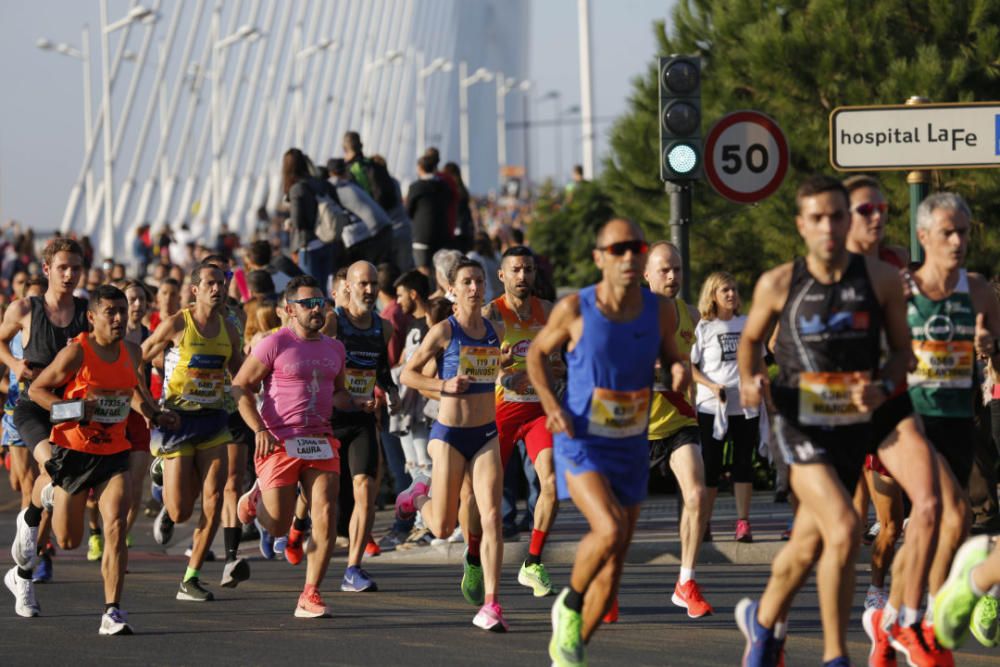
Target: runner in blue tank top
614 332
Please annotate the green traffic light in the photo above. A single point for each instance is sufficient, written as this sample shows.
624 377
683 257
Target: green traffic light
682 158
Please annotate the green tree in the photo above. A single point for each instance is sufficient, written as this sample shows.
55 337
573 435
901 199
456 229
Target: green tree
797 60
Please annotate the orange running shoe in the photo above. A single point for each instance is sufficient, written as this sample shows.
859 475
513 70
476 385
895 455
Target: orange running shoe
688 595
612 615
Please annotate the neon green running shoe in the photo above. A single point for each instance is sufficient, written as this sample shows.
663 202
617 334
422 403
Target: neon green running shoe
566 647
955 601
535 577
129 542
472 582
95 547
984 625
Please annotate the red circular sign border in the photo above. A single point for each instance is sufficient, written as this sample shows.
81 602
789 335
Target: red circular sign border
768 124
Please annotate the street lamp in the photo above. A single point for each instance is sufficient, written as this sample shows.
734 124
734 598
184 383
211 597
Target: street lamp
390 57
481 75
137 13
439 64
505 86
556 96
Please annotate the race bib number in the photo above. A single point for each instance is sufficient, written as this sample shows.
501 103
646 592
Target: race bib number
480 363
619 414
310 449
205 379
529 396
825 400
360 382
112 407
942 364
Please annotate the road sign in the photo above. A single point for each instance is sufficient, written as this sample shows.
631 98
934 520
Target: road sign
746 156
913 137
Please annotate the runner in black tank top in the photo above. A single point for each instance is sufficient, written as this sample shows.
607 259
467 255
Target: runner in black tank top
831 308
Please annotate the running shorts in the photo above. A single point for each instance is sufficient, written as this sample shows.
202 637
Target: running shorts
358 442
11 436
627 470
76 472
843 448
278 469
468 440
199 430
884 422
661 449
242 435
521 421
955 439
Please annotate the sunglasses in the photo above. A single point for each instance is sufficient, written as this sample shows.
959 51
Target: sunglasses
622 247
310 303
868 208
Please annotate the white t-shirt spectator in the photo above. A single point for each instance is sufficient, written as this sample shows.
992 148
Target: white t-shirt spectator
714 353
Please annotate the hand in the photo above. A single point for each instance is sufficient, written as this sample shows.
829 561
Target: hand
456 385
22 371
719 390
265 444
364 404
559 422
506 356
169 420
518 382
983 338
867 394
753 391
680 376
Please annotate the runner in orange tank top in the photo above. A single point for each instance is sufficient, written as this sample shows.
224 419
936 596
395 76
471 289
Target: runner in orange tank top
102 371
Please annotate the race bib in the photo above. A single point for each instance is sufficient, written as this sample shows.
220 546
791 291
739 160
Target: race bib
942 364
203 386
528 396
360 382
619 414
112 406
825 400
310 449
480 363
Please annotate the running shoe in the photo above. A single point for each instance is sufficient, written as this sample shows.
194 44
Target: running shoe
390 541
490 617
875 598
156 471
23 591
163 527
95 547
48 497
881 653
420 486
839 661
311 606
688 595
743 533
129 542
294 551
456 535
942 656
984 624
267 549
910 641
472 581
535 577
872 533
192 591
209 555
115 622
234 572
566 645
156 493
356 580
42 574
372 549
955 602
279 545
24 549
759 650
612 615
786 534
246 506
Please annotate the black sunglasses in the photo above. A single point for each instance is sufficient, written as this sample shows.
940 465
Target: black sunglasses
622 247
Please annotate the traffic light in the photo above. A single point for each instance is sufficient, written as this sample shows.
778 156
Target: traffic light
680 118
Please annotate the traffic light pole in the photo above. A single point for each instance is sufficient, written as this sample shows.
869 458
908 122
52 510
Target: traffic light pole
680 228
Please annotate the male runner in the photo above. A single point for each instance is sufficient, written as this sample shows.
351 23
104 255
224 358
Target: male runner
954 317
519 413
673 429
302 372
92 453
614 332
831 307
202 346
46 324
365 336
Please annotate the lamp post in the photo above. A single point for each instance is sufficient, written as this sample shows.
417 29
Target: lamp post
367 108
437 65
481 75
504 87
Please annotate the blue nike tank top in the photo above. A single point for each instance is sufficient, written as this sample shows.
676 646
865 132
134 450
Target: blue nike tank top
610 373
477 358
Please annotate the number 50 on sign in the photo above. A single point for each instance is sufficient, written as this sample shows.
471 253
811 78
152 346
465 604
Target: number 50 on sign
746 156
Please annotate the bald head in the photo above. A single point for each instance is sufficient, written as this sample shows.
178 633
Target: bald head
618 229
362 283
664 271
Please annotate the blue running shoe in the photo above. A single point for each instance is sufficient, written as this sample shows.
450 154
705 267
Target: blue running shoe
266 541
279 545
839 661
43 571
759 651
356 580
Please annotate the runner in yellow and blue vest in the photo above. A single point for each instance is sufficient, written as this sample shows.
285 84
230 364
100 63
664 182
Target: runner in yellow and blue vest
203 346
674 437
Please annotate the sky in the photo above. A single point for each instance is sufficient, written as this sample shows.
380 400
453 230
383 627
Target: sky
41 118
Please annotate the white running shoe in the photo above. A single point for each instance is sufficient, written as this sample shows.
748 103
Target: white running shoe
115 622
48 497
24 594
24 549
163 527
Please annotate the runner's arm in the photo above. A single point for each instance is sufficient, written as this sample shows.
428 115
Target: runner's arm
434 342
897 330
430 370
163 337
251 374
383 369
342 399
987 307
670 356
142 401
763 314
236 355
12 323
556 333
63 367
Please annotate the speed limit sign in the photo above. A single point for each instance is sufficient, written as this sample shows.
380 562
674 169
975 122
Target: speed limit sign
746 156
